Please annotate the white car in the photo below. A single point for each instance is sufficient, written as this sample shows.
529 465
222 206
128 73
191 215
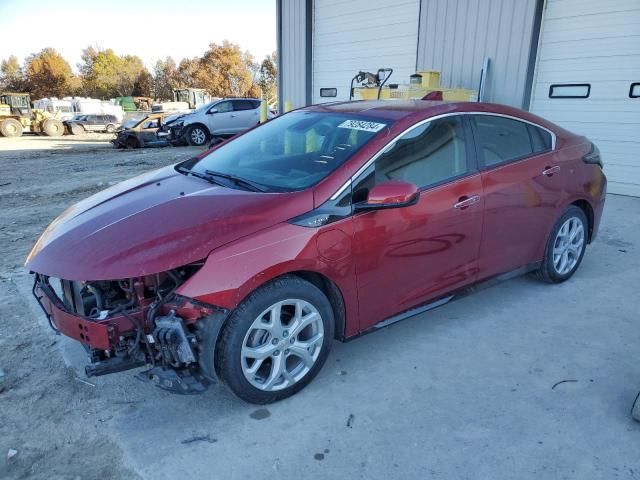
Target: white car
220 118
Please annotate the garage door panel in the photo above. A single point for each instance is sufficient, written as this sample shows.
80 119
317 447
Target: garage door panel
353 36
603 47
595 42
589 23
573 8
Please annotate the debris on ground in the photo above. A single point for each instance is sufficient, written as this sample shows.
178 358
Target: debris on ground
350 420
563 381
11 453
199 438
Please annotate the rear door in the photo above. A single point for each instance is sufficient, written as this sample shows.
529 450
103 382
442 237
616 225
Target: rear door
522 180
411 255
246 113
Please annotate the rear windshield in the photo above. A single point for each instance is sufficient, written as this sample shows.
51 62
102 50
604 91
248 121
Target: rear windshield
294 151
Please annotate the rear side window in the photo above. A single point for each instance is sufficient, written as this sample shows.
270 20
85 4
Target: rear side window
502 140
243 105
540 139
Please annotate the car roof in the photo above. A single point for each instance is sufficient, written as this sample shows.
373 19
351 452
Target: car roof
419 109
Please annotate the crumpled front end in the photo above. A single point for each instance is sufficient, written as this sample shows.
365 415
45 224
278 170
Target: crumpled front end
130 323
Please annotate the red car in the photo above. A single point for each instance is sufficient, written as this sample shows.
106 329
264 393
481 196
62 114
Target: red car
243 264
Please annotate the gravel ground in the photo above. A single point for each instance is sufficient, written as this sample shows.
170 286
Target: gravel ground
54 421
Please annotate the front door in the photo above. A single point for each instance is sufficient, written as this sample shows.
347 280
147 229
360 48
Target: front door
221 119
408 256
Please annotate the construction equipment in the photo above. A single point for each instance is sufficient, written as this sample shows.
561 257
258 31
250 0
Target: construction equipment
195 97
423 85
17 116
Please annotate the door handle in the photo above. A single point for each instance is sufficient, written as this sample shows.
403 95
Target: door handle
233 115
464 201
549 171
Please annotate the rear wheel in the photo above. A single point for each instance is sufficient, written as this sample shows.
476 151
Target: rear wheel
110 128
53 127
11 128
197 135
565 247
276 341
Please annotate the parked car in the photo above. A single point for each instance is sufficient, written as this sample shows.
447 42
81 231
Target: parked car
244 263
92 123
220 118
140 133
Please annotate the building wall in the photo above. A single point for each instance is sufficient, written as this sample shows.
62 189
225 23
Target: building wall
456 35
292 52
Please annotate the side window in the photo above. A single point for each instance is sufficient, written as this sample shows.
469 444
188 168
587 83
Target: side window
224 107
501 140
428 155
242 105
540 139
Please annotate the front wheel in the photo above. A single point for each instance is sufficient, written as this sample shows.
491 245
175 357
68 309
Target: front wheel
197 135
110 128
276 341
565 247
52 127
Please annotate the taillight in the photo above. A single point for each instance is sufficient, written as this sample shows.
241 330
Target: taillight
593 156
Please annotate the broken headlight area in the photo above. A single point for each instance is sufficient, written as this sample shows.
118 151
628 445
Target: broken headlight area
129 323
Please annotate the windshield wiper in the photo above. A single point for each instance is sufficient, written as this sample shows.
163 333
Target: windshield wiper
248 184
208 178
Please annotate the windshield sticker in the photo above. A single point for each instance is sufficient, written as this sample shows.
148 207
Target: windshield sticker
362 125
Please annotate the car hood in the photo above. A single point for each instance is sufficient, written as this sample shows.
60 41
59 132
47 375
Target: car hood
153 223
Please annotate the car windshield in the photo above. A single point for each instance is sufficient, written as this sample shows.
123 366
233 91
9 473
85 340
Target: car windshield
292 152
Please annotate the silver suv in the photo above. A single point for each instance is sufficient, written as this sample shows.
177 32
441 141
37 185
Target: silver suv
220 118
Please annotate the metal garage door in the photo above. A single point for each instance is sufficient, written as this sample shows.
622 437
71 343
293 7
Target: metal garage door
362 35
592 47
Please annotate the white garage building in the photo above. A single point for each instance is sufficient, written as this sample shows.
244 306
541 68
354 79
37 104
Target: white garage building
575 62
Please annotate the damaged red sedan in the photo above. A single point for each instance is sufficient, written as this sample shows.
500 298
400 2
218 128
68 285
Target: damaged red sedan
243 264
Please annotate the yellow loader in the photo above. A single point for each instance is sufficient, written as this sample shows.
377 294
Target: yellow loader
17 116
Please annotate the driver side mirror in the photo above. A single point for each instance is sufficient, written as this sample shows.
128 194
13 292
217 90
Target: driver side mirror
213 110
391 194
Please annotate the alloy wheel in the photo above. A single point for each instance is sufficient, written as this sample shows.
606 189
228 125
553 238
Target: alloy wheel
282 345
568 245
198 136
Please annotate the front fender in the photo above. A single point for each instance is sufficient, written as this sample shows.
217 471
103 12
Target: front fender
233 271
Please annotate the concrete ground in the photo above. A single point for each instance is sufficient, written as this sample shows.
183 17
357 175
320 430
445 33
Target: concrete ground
523 380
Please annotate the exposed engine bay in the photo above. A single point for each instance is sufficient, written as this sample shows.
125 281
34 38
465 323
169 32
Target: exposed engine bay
130 323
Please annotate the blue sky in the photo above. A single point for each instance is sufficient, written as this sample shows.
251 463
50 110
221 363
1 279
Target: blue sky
151 29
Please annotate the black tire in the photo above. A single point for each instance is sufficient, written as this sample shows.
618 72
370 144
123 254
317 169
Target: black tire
547 271
110 128
53 127
132 143
76 129
11 127
228 349
197 135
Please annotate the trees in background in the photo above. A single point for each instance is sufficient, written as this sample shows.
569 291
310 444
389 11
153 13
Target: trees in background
11 75
223 70
105 74
47 73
